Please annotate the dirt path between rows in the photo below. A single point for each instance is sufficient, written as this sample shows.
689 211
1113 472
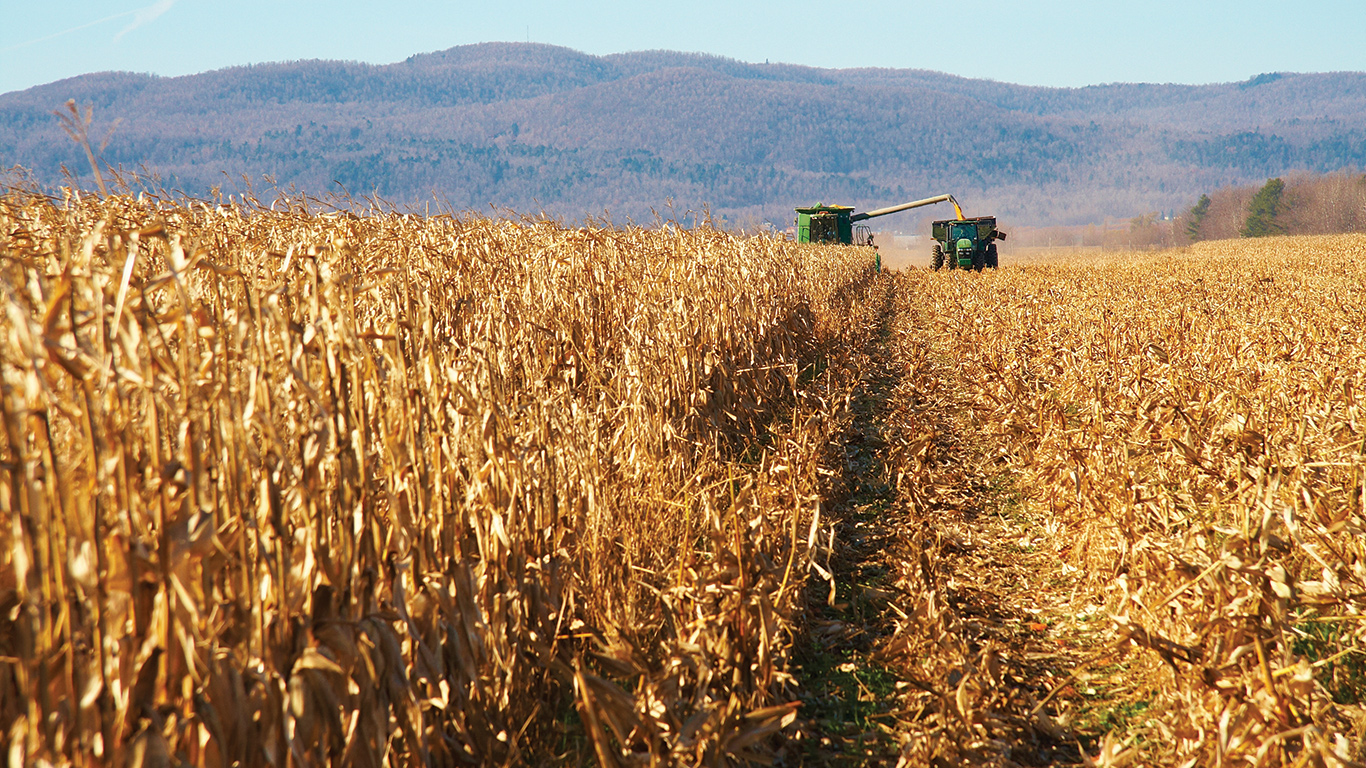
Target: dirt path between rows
951 637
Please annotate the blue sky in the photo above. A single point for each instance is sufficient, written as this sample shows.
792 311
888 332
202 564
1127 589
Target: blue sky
1059 43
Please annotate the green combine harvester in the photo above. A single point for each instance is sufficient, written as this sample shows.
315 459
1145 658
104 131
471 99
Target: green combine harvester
960 243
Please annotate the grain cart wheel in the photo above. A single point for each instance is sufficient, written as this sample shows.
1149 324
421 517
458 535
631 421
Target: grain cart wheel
936 257
991 256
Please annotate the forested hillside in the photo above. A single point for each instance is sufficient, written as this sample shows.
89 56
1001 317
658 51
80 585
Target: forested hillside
534 127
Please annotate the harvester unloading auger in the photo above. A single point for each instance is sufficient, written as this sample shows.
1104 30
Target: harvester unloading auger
967 243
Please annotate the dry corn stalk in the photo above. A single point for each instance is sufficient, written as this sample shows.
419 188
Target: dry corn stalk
317 488
1191 424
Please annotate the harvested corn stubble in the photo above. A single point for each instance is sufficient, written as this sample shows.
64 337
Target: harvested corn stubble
1184 432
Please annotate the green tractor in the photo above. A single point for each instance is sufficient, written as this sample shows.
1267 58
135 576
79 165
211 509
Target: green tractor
965 243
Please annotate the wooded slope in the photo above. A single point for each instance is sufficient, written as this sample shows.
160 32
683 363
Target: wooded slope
534 127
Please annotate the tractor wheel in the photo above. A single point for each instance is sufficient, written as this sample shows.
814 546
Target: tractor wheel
936 257
978 261
991 256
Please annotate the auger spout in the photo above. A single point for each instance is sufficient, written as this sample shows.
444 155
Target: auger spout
907 206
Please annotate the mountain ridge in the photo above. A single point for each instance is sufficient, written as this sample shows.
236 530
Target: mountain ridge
529 126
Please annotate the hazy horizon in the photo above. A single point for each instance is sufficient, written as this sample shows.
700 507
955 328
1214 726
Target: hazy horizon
1059 45
246 65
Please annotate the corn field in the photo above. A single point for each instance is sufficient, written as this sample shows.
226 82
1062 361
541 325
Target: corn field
290 488
1184 433
283 487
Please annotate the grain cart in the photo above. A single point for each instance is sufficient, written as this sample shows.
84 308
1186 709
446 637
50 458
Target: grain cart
965 243
823 223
